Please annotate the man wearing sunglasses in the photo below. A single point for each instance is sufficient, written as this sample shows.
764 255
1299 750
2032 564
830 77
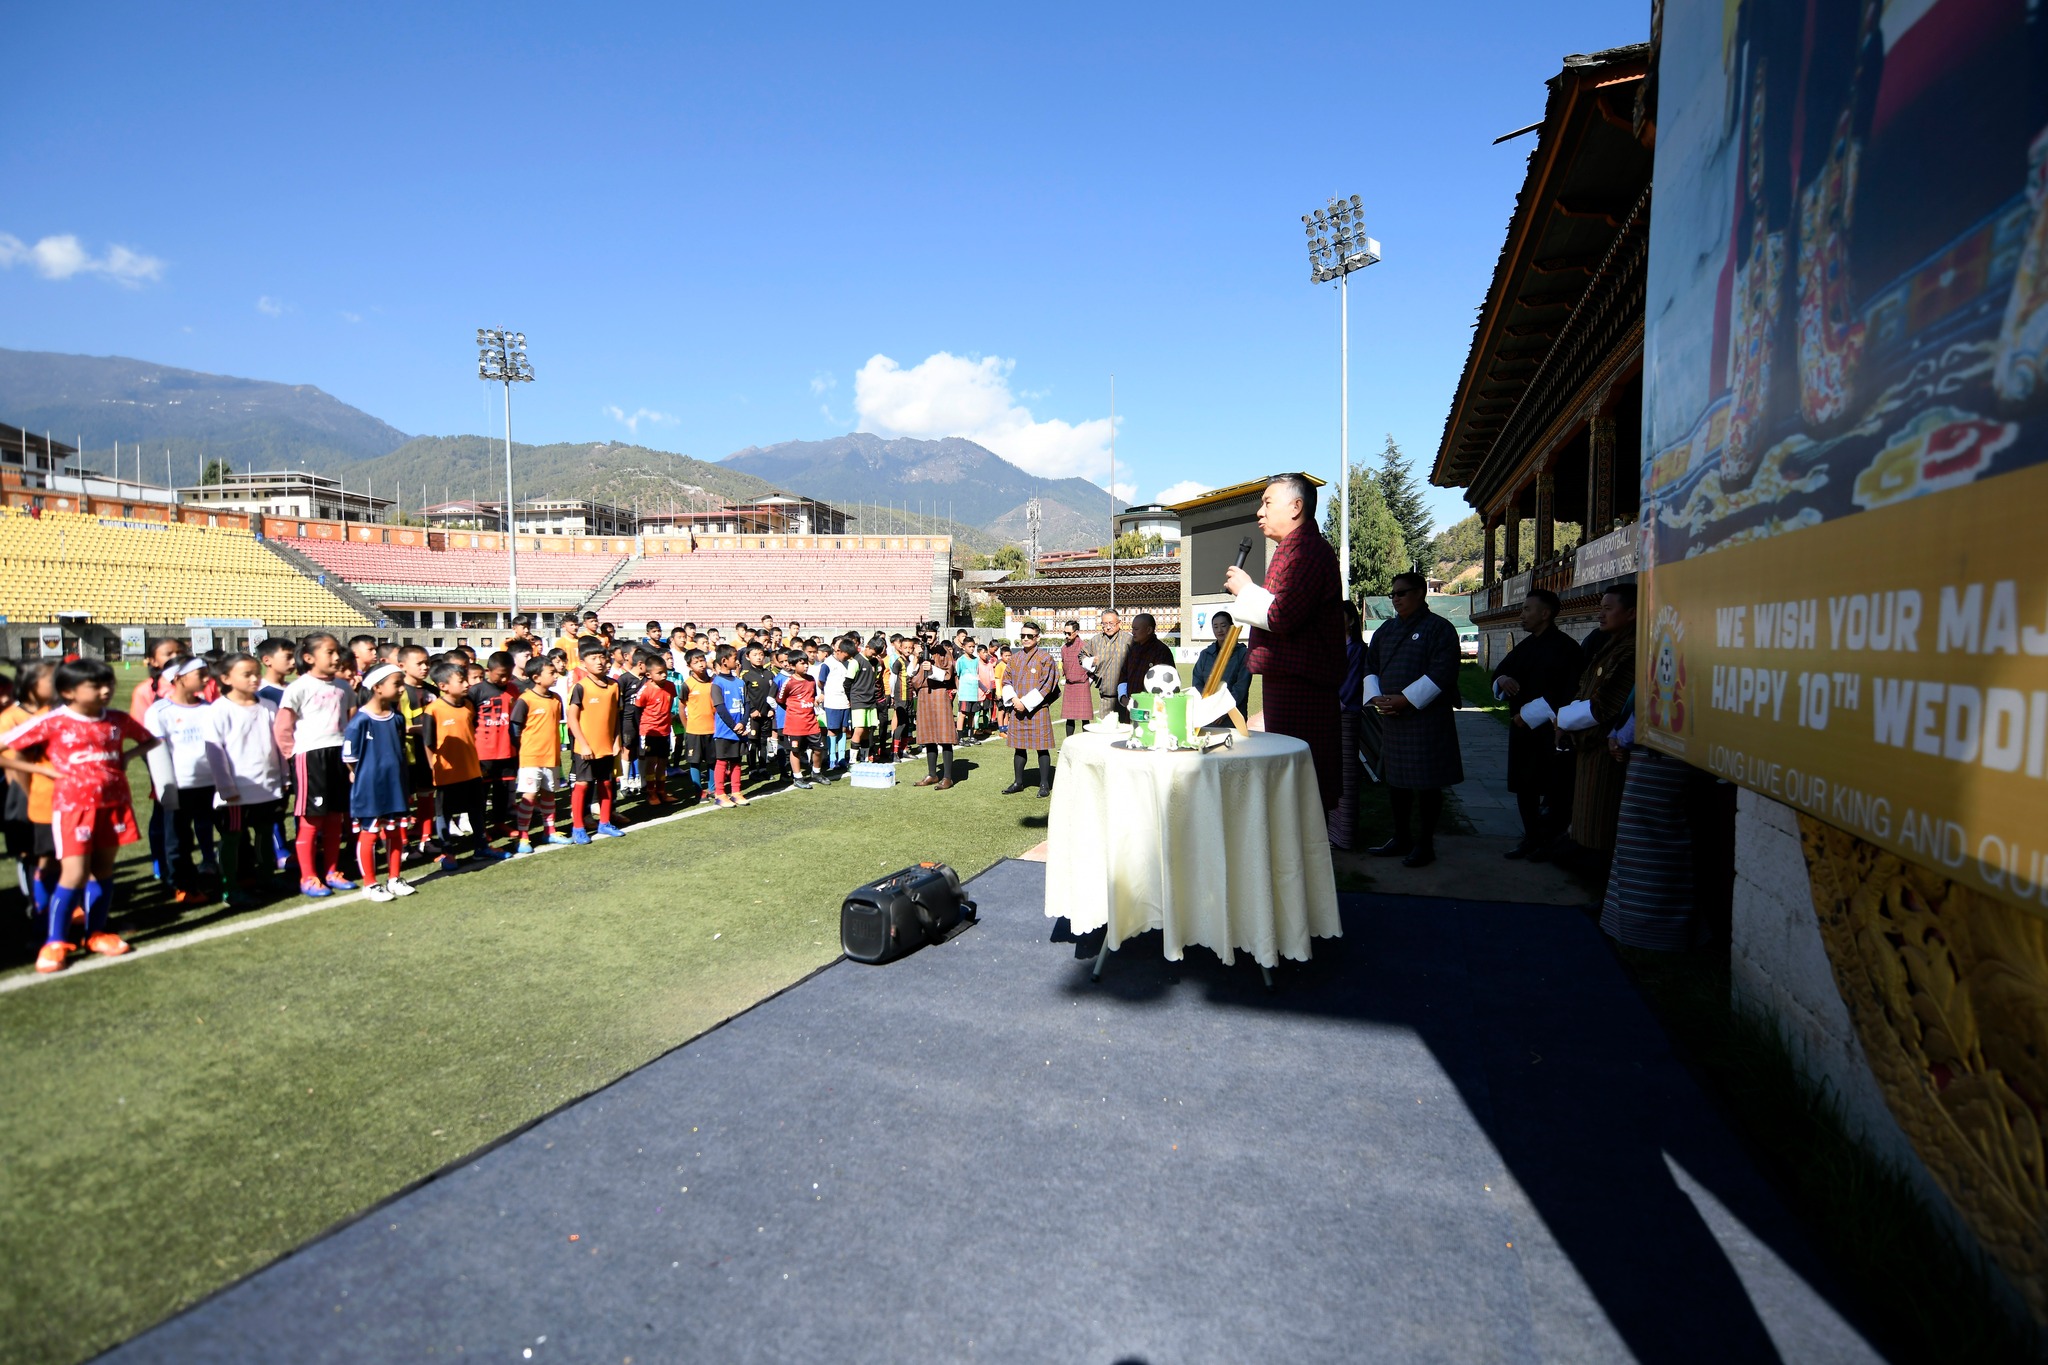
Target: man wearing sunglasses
1297 621
1412 681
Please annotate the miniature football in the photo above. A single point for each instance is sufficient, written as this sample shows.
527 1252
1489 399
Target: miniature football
1162 680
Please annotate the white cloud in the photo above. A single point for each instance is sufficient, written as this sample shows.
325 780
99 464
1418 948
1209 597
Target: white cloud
61 257
1127 491
823 382
1181 492
269 307
949 395
347 316
631 420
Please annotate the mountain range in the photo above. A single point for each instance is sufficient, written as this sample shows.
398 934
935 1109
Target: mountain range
161 413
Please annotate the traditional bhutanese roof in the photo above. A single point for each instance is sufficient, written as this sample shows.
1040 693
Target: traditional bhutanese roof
1236 490
1086 589
1586 176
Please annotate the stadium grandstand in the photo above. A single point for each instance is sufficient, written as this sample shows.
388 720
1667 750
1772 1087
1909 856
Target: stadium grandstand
407 580
865 588
91 570
97 574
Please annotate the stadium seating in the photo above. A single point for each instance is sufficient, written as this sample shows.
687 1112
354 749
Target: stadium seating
398 574
832 589
134 572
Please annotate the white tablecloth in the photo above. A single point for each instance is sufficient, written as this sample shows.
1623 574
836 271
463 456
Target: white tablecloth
1227 849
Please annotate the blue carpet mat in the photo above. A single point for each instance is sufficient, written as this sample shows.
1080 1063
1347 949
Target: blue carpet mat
1457 1135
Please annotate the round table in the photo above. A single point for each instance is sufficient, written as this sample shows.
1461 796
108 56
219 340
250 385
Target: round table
1227 849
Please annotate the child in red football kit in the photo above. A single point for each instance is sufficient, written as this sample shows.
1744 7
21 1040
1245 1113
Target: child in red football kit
82 748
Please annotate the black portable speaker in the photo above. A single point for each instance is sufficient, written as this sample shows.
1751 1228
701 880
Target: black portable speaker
902 912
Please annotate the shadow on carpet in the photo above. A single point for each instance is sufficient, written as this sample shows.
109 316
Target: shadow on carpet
1457 1135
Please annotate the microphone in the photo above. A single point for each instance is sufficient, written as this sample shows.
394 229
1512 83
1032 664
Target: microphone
1244 550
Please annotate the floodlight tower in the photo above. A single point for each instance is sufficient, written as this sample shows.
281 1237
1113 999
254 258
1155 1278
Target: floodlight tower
501 358
1337 245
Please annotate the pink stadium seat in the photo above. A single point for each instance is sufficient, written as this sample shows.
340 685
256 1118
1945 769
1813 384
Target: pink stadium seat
847 588
564 579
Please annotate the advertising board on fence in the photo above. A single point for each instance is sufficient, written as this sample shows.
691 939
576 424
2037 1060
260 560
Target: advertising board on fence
1845 603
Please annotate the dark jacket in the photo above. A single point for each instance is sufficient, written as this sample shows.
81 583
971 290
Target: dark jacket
1237 673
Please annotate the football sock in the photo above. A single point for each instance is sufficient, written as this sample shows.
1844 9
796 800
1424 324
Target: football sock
97 896
579 803
604 803
308 848
61 901
230 862
333 833
39 888
366 855
394 855
718 777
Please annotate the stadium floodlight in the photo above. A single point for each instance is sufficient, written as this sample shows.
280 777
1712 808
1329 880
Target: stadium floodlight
501 359
1337 245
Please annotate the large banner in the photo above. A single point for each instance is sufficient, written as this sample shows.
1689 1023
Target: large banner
1846 576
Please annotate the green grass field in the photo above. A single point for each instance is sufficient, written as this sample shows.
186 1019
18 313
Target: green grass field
178 1120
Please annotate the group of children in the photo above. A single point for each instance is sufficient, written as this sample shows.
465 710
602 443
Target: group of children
301 756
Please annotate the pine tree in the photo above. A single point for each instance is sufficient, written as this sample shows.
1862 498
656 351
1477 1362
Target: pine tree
1378 551
1404 497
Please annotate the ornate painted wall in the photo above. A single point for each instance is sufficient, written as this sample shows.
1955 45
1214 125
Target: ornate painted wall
1948 992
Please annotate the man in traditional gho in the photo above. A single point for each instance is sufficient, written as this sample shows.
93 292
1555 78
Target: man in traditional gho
1605 697
1538 678
1297 621
1104 657
1411 679
1031 682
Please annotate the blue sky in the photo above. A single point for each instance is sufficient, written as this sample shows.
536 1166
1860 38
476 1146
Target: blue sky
728 229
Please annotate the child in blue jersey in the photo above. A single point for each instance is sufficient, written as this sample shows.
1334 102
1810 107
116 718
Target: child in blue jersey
968 671
729 728
373 747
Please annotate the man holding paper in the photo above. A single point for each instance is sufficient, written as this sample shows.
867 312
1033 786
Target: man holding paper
1030 683
1537 679
1412 681
1297 621
1104 658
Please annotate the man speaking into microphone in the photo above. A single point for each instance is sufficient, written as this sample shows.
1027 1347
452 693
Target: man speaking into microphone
1297 621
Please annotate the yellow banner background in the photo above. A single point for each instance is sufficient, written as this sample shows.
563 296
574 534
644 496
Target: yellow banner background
1759 665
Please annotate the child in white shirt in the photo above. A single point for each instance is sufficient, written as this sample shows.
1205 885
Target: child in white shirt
184 786
247 770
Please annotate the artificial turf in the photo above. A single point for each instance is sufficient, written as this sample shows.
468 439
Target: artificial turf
176 1121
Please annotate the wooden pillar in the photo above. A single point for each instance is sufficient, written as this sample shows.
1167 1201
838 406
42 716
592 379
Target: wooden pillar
1546 524
1600 474
1488 575
1513 531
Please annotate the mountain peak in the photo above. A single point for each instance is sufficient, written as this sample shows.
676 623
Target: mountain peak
951 477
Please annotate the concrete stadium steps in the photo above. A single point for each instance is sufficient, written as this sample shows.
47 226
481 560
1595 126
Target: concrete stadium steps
865 588
406 573
116 571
